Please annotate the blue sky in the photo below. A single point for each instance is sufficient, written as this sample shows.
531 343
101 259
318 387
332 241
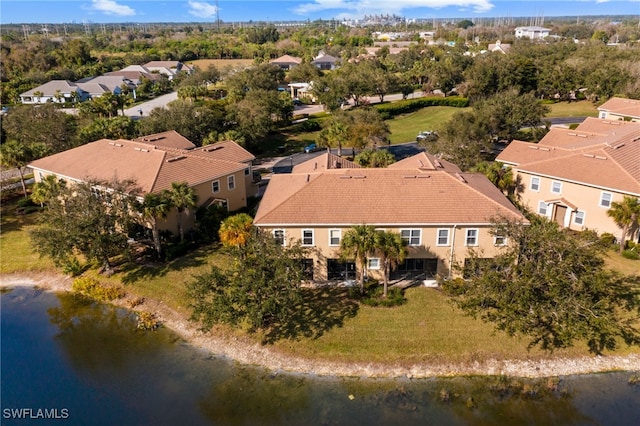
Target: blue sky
108 11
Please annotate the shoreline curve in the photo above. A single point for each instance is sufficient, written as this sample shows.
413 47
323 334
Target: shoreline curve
258 355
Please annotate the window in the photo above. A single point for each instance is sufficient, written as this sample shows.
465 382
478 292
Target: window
307 237
605 199
542 208
535 183
499 239
215 186
410 236
307 269
278 234
578 219
556 187
472 237
374 263
443 237
231 182
247 171
334 237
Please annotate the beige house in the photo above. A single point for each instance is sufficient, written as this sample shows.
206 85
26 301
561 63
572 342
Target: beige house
573 176
286 62
620 109
219 173
439 212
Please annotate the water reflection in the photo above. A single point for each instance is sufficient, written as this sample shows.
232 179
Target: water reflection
67 352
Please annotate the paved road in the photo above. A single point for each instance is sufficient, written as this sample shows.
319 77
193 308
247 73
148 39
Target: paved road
147 107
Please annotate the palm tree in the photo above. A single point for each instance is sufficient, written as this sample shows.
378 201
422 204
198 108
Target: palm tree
153 207
392 251
335 133
626 215
235 230
182 197
357 243
45 189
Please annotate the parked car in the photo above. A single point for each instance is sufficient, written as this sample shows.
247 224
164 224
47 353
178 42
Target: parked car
427 136
312 147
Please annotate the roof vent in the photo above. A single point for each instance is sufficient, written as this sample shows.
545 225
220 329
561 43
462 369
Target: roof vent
461 178
179 157
409 177
600 157
438 163
119 145
359 177
589 155
308 177
424 176
141 149
213 148
544 149
345 177
620 145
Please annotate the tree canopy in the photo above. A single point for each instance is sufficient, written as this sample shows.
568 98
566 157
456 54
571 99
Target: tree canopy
551 286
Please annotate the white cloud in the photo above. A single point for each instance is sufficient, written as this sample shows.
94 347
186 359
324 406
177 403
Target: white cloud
110 7
201 9
384 6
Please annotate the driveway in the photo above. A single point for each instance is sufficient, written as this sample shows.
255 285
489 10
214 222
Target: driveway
144 109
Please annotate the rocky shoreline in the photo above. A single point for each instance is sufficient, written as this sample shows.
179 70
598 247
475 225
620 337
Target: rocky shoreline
255 354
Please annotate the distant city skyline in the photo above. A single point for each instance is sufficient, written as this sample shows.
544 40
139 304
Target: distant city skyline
185 11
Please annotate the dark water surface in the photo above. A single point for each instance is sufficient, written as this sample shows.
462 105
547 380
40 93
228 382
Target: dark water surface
86 364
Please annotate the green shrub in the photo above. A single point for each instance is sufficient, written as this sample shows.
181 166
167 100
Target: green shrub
92 288
389 110
148 321
374 297
72 267
631 254
26 205
607 239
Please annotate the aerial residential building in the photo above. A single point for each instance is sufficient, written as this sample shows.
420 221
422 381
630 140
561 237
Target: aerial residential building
533 32
620 109
439 211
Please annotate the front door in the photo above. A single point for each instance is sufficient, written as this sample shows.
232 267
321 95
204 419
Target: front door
559 214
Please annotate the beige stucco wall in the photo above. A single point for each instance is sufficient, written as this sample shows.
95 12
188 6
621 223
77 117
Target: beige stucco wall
455 251
584 198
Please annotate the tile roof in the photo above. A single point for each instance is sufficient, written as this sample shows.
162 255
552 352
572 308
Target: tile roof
49 88
286 59
378 196
168 139
326 161
225 150
153 168
621 106
601 153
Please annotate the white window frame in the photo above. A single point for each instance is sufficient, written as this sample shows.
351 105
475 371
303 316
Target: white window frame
213 184
575 217
499 240
546 208
373 263
231 182
553 184
339 231
535 179
284 236
609 201
438 243
411 236
312 238
476 237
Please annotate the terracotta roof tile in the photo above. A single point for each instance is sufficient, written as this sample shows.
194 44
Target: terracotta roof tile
168 139
381 196
326 161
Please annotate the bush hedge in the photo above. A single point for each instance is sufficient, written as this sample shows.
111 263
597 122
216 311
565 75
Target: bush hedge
389 110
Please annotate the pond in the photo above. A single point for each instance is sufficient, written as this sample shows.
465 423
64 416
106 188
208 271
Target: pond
85 363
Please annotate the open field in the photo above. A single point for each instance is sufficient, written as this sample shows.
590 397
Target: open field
221 64
406 127
573 109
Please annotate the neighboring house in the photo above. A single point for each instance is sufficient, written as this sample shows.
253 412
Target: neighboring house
59 91
325 62
286 62
533 33
620 109
499 47
168 139
168 68
439 211
134 76
113 82
573 176
219 173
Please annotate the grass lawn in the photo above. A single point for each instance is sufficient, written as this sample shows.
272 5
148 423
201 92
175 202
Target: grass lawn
573 109
426 329
221 64
406 127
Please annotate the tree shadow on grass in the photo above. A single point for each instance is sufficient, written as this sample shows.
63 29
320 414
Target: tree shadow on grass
141 270
320 310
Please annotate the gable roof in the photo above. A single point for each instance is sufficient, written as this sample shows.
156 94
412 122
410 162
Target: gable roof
51 87
382 196
152 167
286 59
326 161
168 139
621 106
112 82
225 150
598 152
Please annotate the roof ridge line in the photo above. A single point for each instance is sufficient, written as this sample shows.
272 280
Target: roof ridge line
480 192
